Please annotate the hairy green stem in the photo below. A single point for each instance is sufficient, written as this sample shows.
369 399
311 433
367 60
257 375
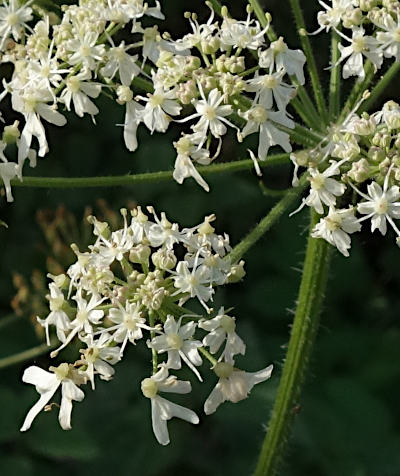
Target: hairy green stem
304 330
334 85
265 224
118 180
311 64
260 14
303 105
26 355
380 87
301 135
305 108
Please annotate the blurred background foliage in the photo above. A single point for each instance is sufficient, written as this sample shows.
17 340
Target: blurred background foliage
348 418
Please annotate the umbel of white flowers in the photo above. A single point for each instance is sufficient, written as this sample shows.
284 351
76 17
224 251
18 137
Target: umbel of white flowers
358 164
221 75
130 285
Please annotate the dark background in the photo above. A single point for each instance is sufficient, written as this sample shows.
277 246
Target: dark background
348 421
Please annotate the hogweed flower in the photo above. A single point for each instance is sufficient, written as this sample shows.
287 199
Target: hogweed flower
125 290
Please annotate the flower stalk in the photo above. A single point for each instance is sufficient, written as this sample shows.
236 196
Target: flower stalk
380 87
304 329
311 64
334 85
118 180
265 224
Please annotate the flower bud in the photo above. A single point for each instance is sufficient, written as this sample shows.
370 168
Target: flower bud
140 254
360 171
376 154
367 5
237 272
125 94
210 46
382 140
352 18
11 133
164 259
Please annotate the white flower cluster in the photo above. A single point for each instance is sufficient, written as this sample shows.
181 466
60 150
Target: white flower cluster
130 284
358 165
222 72
369 29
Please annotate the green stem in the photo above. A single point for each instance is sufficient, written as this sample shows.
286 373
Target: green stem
358 90
25 355
260 14
208 356
380 87
301 135
334 85
304 329
270 192
216 6
307 110
265 224
311 64
143 83
154 356
117 180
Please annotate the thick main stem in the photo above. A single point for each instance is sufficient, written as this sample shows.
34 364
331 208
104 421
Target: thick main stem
304 329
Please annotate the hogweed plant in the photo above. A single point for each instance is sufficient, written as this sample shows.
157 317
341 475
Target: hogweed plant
134 283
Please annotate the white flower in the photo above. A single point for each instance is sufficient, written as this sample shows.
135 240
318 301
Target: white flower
263 121
233 385
163 232
8 171
119 60
220 328
211 113
324 189
32 104
84 49
390 115
270 88
129 324
242 34
360 45
160 106
86 316
133 116
177 341
279 56
335 227
46 384
195 283
79 90
381 205
163 410
13 19
201 32
98 356
390 37
119 243
187 147
57 316
332 16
